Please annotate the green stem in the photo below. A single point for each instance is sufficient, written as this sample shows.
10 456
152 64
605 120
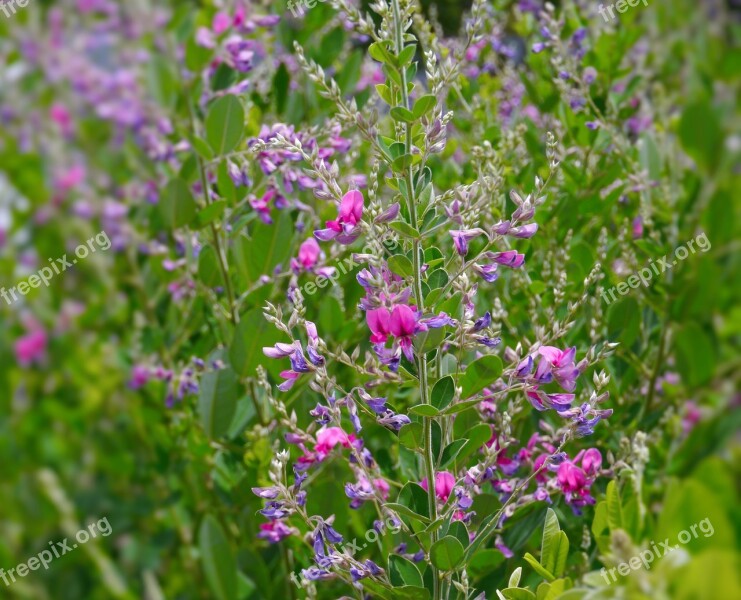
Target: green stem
429 464
214 233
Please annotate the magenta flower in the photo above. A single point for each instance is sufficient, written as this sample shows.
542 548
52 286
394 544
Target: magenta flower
403 325
344 229
31 347
308 256
378 320
140 375
444 484
274 531
221 23
570 477
591 462
329 437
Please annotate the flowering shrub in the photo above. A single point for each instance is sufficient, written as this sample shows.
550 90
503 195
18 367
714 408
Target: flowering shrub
349 337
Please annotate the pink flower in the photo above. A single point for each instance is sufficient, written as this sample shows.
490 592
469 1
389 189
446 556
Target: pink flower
570 477
444 484
328 437
308 255
562 365
61 116
382 486
403 321
379 323
637 228
591 462
31 347
71 178
351 207
344 228
139 377
274 531
221 23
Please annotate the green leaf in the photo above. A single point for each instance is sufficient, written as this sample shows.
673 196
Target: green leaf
403 572
200 146
252 334
405 229
176 205
424 105
402 162
411 436
217 401
224 124
550 543
538 568
446 553
562 553
379 52
514 579
407 54
402 115
401 265
518 594
405 510
484 562
443 392
479 374
269 247
614 507
478 435
451 451
281 84
210 214
413 496
624 321
424 410
461 406
219 563
208 267
385 92
695 354
701 134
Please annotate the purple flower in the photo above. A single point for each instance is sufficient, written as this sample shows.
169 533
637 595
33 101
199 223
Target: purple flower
461 237
524 231
396 422
482 323
271 493
488 273
316 574
510 258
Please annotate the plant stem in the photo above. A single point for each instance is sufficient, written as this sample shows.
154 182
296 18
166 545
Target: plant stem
429 463
214 233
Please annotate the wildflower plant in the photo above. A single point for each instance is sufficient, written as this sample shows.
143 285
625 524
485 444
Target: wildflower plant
348 336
